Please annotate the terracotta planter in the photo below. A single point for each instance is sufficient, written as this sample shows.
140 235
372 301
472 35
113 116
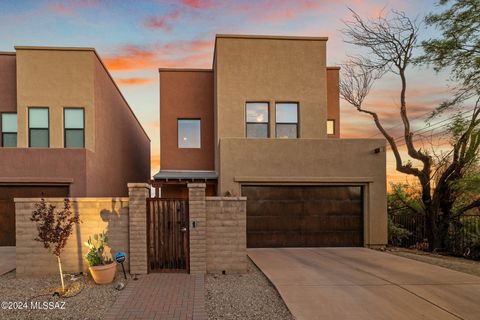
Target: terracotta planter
103 274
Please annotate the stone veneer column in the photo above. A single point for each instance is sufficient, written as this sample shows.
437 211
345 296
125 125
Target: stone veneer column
138 194
198 227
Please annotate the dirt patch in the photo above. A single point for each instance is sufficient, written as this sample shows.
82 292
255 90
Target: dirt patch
246 296
31 298
459 264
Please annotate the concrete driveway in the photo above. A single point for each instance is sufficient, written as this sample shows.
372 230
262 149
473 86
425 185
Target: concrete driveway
7 259
359 283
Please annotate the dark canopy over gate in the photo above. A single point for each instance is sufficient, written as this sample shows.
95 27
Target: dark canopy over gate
304 216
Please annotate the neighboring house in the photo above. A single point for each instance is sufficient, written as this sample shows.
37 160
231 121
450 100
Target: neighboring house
264 123
65 130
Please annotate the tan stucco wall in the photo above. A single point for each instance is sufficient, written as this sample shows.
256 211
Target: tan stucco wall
96 215
8 83
55 79
122 148
270 70
311 161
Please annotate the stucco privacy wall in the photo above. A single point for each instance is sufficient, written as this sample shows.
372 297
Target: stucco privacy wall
96 215
311 161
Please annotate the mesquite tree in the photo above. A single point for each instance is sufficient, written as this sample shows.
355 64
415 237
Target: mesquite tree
54 228
390 42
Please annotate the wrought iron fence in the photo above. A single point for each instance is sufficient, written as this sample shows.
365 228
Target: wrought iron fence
463 238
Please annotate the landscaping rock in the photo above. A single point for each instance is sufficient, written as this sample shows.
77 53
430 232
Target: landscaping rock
244 296
83 298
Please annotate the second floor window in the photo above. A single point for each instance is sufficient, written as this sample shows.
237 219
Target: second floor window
188 133
74 126
8 123
330 126
286 115
256 114
38 134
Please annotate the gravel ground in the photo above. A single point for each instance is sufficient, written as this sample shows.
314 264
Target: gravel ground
87 300
459 264
247 296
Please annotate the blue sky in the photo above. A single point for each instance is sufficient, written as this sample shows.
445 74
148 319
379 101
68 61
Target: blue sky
135 38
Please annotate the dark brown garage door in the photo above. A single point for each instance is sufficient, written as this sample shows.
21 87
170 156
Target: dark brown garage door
304 216
7 206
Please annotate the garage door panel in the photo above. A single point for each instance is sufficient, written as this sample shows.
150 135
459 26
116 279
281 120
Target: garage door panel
276 193
274 207
331 192
7 205
303 223
333 207
304 216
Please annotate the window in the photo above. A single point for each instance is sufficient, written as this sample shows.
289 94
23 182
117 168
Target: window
9 129
286 115
188 133
74 126
330 126
38 135
256 115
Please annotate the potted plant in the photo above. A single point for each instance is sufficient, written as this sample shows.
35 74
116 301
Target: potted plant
102 268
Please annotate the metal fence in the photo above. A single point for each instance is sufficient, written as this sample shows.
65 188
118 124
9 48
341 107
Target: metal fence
463 239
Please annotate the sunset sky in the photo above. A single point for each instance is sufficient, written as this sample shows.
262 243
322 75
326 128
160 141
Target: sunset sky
135 38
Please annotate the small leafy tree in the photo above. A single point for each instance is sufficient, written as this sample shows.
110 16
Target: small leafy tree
54 228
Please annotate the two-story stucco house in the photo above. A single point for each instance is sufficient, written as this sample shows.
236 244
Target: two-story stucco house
65 130
264 123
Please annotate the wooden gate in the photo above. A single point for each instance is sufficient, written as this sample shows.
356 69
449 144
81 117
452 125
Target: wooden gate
167 223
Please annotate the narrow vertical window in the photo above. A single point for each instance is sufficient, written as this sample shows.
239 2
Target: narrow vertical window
286 118
38 133
74 126
188 133
256 114
330 126
9 130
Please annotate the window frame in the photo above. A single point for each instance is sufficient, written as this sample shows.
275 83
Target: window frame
200 136
334 127
297 124
267 123
30 129
73 129
7 132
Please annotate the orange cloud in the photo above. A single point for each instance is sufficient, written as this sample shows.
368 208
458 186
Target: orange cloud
195 53
162 22
131 58
134 81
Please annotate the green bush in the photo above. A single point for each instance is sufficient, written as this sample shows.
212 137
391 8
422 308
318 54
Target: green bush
396 234
96 253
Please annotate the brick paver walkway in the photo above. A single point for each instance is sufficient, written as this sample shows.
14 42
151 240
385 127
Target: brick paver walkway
161 296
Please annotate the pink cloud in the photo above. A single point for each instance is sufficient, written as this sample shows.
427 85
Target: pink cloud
198 4
67 8
162 22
